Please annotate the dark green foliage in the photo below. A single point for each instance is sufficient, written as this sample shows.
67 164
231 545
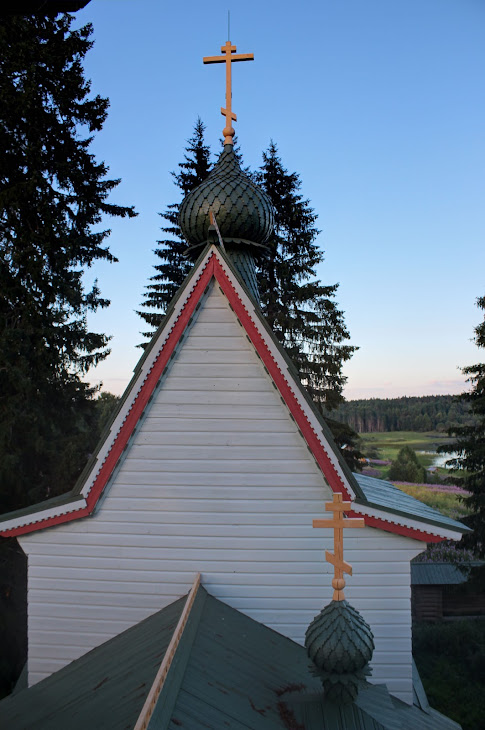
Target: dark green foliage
470 448
52 193
105 404
423 413
451 661
174 267
348 442
406 467
300 309
13 613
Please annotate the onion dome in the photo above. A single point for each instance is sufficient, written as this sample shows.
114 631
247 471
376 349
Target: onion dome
243 211
340 644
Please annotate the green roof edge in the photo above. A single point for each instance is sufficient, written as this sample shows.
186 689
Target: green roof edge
167 699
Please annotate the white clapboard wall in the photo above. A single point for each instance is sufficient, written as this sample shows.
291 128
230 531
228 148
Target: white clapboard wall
216 480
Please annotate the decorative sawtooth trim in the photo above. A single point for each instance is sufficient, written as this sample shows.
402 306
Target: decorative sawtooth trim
406 526
140 401
142 397
318 450
29 521
301 404
401 529
36 521
157 686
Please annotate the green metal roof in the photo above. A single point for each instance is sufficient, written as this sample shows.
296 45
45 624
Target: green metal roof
104 689
434 574
413 718
384 495
228 671
240 674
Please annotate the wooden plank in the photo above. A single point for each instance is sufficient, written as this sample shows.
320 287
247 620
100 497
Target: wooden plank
219 453
43 566
219 398
226 466
198 374
229 383
233 426
143 545
220 330
114 582
212 342
203 356
260 595
150 524
153 482
218 439
200 410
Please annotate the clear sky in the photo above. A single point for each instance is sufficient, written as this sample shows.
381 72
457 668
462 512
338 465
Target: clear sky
378 105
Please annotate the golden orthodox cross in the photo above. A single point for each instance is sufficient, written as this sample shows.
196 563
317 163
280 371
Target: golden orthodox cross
338 507
228 50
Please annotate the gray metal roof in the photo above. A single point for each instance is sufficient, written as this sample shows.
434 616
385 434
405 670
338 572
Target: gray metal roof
386 496
434 574
229 671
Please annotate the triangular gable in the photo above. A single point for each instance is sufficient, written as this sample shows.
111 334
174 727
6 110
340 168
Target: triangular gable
213 265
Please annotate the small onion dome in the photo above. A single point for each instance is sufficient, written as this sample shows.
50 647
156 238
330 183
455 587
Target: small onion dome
243 212
340 644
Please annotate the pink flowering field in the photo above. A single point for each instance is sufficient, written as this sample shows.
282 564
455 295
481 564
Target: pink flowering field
447 498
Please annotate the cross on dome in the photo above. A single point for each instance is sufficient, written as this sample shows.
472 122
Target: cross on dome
338 507
228 58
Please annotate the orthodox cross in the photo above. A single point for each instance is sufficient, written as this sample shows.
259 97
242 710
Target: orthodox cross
228 50
338 507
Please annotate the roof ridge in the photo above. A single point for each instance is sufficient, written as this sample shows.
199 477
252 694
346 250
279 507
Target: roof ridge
162 674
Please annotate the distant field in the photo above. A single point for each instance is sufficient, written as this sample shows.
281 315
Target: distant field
445 499
386 445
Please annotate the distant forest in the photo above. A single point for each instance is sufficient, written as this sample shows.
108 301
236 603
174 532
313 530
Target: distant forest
426 413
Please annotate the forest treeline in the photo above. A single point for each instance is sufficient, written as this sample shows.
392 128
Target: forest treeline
424 413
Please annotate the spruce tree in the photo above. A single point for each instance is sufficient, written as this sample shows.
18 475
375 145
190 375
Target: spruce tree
300 309
53 192
470 449
406 467
174 266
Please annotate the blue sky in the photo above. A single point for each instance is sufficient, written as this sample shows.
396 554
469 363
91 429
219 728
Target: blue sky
379 107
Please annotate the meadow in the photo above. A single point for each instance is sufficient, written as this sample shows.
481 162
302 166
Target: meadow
387 444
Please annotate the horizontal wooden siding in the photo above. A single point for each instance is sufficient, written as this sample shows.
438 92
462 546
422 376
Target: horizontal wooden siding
217 480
